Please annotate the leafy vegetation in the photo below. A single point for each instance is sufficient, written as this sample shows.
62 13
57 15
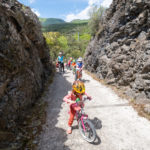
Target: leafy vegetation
72 44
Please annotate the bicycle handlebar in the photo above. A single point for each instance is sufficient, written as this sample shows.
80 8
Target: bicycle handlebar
83 100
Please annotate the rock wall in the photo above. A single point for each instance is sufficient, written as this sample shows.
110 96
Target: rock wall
24 61
120 51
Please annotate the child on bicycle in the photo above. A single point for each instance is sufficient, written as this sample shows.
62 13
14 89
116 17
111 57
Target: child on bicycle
60 60
79 68
78 91
79 64
69 63
73 66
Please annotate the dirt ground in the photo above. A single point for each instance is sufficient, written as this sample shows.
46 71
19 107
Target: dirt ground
117 124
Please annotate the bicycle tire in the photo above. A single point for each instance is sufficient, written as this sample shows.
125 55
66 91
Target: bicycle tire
91 127
60 68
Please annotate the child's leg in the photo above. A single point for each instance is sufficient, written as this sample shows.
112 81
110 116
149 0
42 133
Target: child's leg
63 66
71 118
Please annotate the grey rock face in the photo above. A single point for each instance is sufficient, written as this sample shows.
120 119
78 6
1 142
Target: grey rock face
24 61
120 53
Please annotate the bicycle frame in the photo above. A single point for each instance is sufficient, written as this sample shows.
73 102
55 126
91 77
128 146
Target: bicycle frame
60 66
80 115
79 73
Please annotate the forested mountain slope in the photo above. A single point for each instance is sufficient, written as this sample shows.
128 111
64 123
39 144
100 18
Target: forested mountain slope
49 21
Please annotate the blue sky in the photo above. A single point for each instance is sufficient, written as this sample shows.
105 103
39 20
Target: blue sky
64 9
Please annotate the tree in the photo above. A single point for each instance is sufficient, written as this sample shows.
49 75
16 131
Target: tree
95 22
76 54
62 40
53 43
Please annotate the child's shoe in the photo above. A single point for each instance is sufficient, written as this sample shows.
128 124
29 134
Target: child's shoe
69 131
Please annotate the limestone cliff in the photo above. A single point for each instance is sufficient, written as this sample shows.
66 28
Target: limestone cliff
120 51
24 62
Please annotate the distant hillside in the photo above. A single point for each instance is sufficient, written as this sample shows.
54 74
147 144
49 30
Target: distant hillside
79 21
50 21
63 27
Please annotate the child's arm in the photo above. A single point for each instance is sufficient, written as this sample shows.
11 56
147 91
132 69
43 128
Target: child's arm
67 99
82 67
89 97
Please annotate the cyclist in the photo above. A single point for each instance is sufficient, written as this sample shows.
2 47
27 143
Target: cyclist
73 66
69 63
78 90
79 67
60 60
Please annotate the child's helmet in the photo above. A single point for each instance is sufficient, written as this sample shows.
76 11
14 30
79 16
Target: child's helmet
74 61
79 87
80 59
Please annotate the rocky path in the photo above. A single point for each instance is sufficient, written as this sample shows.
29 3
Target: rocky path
117 124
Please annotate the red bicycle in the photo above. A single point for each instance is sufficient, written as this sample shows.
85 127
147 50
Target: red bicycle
78 74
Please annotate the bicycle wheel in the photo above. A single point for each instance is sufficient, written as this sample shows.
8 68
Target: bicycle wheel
89 134
79 76
60 68
75 76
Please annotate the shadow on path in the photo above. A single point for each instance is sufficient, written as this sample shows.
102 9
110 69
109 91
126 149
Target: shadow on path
98 125
114 105
84 80
53 137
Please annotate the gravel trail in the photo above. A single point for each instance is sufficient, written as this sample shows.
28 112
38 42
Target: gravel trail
117 124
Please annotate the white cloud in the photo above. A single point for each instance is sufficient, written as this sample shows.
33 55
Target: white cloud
36 11
92 2
106 3
81 15
84 13
31 1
